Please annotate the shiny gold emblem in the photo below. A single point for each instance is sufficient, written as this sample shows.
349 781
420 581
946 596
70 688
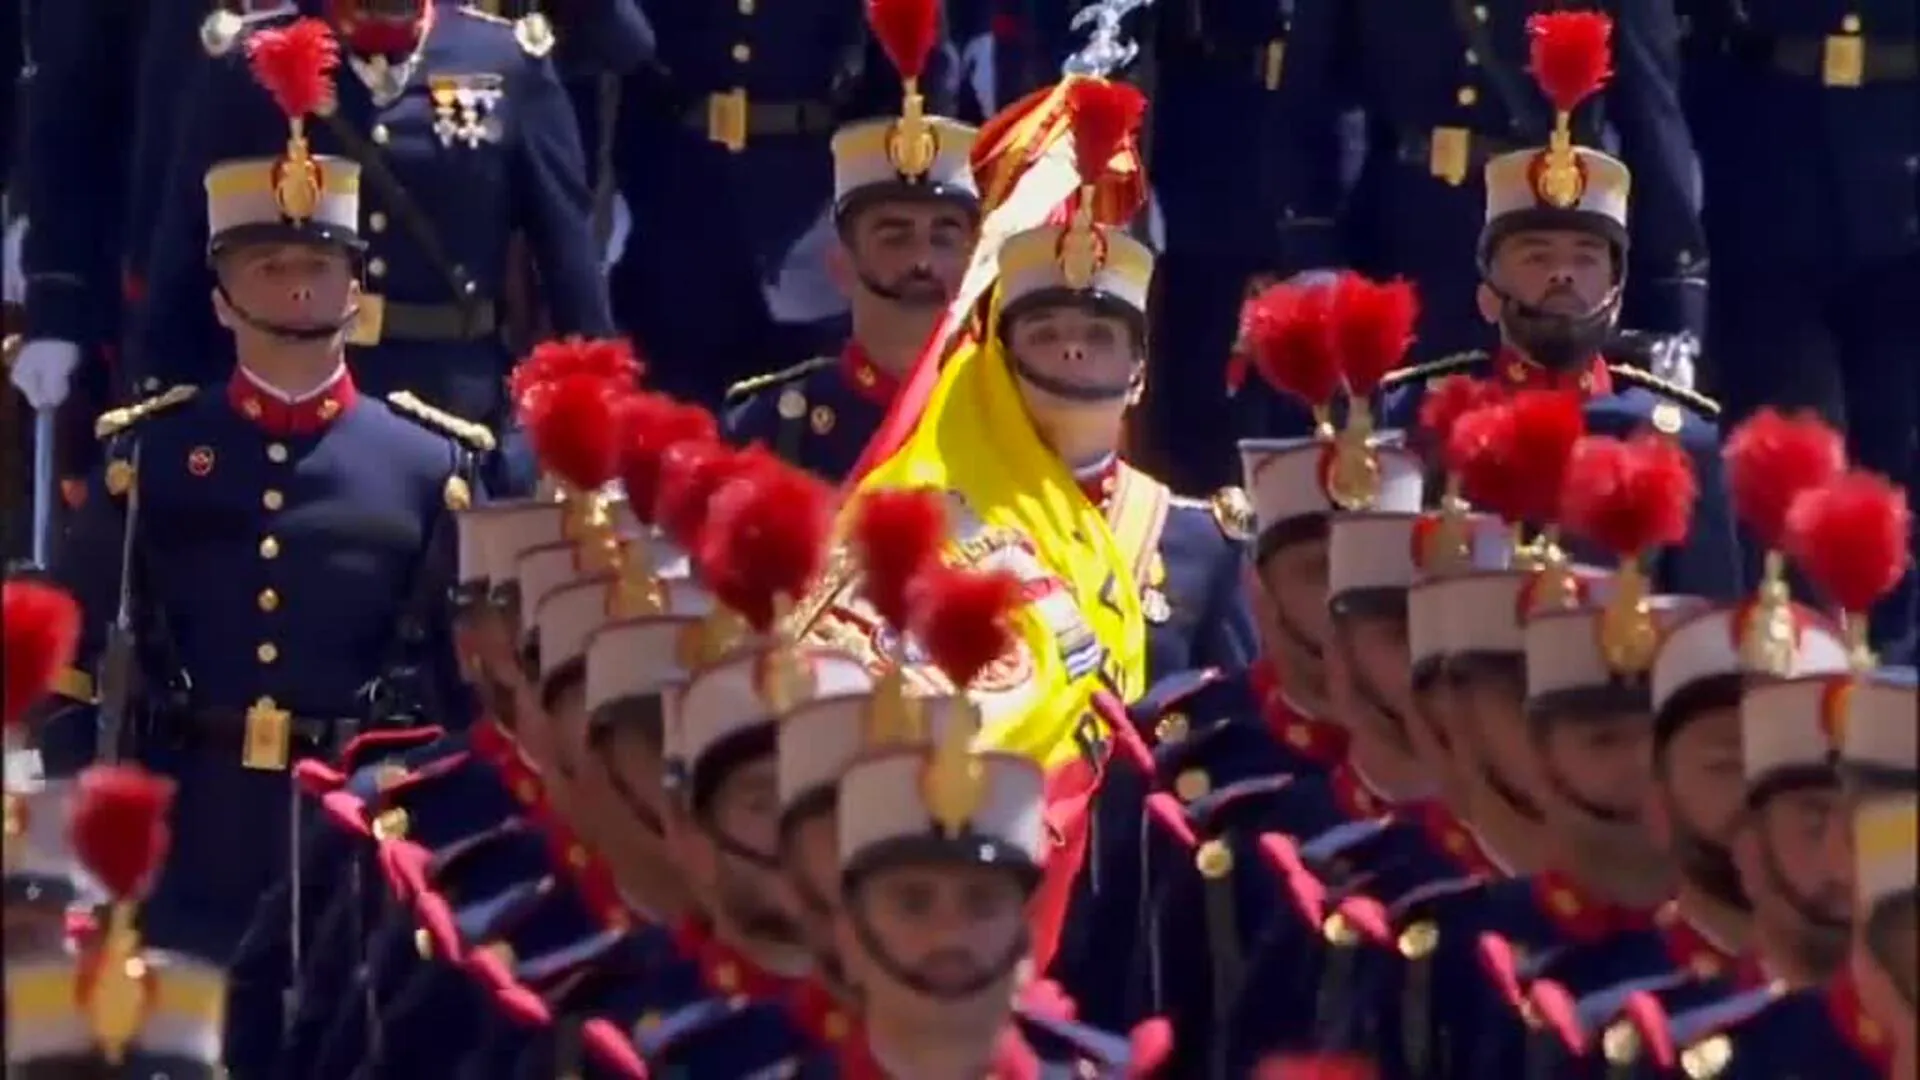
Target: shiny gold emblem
119 477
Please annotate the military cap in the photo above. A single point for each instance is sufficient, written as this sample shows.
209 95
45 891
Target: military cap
1371 561
1885 850
1487 610
1577 658
1715 645
1784 735
942 802
912 155
541 572
39 862
175 1030
506 530
640 655
1285 480
730 708
1876 716
1451 544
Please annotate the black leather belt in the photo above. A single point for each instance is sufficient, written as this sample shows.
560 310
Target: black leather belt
392 320
1445 152
236 733
1845 59
733 118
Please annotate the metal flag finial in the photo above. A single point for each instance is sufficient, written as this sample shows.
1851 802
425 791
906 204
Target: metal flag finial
1108 48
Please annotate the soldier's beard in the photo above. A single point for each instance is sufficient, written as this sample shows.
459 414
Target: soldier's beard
745 904
1709 867
917 289
1557 340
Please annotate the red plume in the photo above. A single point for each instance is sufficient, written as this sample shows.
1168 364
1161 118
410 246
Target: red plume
962 618
42 630
295 63
1771 458
1629 497
1850 537
1105 115
1570 55
907 30
690 474
1372 328
119 827
574 431
610 359
765 540
1448 400
1546 424
1287 332
650 424
898 534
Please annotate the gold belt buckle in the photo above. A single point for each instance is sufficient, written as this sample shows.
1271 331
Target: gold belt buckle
727 119
1843 60
269 739
1275 60
1447 154
369 321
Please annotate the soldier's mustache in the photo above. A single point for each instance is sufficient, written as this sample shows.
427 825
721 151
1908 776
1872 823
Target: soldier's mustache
917 287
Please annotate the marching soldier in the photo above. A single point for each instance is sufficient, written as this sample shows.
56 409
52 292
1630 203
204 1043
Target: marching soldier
742 100
366 641
1554 258
463 135
906 215
1812 311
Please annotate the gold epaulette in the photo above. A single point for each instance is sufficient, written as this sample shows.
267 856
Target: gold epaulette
477 12
475 436
1433 369
747 387
1692 399
114 421
1231 510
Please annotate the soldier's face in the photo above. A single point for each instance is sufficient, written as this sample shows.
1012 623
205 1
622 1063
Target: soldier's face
1072 359
1782 851
735 849
949 928
912 254
291 288
1298 624
1560 272
1600 770
813 873
1373 676
1495 737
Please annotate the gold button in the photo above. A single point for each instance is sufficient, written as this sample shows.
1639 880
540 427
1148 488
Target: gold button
267 653
376 222
1479 13
269 548
1192 784
272 499
1467 95
381 134
377 267
1850 24
1172 728
1473 58
741 53
269 600
276 452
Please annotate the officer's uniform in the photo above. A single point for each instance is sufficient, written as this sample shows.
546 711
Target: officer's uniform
721 279
463 144
911 802
221 676
820 414
1813 269
1620 400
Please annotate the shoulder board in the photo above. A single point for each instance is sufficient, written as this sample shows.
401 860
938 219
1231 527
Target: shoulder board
495 917
114 421
220 30
1233 511
1701 1035
1601 1008
1693 399
1416 899
1433 369
684 1023
550 966
748 387
475 436
1213 812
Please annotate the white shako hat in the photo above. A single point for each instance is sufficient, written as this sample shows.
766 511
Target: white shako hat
541 572
1785 739
1486 611
181 1025
38 860
640 655
942 802
1876 715
1721 647
508 529
1286 480
570 615
1451 545
1885 849
730 709
1370 561
821 739
1582 660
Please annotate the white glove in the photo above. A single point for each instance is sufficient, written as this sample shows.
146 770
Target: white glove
619 229
15 279
43 371
1675 357
976 68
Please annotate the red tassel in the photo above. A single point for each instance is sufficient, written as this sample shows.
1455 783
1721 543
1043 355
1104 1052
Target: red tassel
765 540
1629 497
907 30
296 64
1771 459
1546 424
42 631
650 424
611 359
1850 537
574 433
1570 55
119 827
962 618
1372 328
1287 332
898 534
1105 115
690 474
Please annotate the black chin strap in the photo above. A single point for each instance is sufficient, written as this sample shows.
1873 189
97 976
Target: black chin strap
1802 906
1296 635
744 852
913 980
286 332
1092 395
1509 793
1597 811
629 798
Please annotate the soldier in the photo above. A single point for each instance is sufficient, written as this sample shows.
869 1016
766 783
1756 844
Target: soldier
1816 299
1553 258
174 692
455 118
906 215
115 1006
743 101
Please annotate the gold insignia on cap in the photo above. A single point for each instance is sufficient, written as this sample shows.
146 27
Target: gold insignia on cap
912 146
1667 418
534 33
1629 639
792 404
1234 511
954 783
458 495
119 477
